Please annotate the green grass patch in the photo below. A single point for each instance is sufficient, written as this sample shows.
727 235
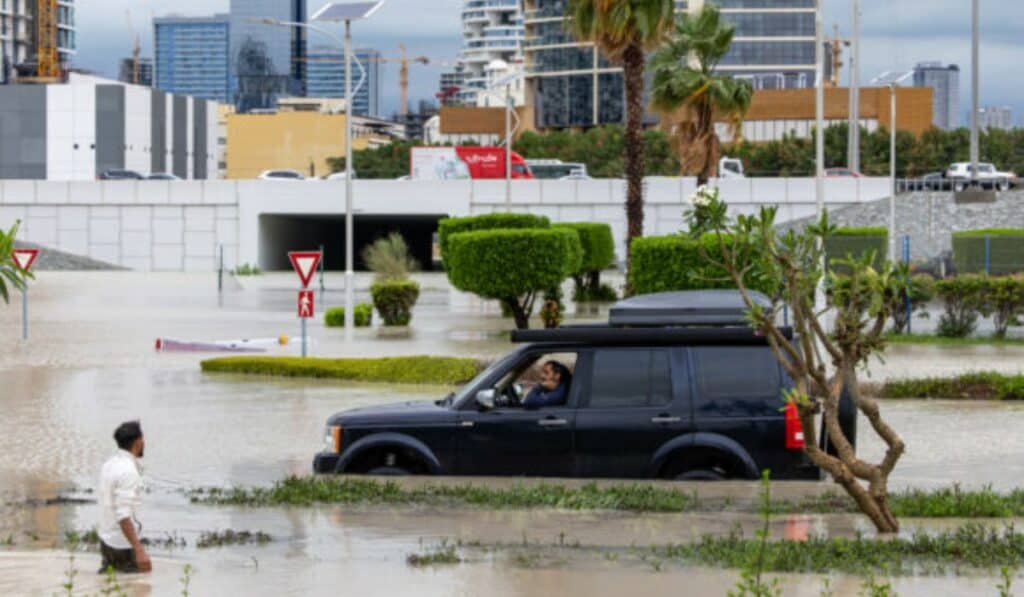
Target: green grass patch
410 370
443 553
635 497
231 537
944 341
972 545
984 385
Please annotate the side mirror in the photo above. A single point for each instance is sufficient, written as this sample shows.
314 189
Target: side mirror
518 389
485 399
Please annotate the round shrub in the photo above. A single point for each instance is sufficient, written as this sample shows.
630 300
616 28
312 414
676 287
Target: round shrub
513 266
363 315
394 300
449 226
597 242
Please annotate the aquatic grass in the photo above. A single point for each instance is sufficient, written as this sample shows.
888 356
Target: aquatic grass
231 537
443 553
981 385
971 545
409 370
952 502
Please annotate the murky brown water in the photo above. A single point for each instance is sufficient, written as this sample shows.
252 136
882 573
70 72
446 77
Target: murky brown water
90 364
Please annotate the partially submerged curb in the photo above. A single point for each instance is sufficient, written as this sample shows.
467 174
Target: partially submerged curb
402 370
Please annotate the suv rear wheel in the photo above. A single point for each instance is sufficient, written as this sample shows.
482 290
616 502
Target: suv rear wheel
388 471
702 474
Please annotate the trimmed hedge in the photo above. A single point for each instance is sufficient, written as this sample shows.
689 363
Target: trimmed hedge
449 226
412 370
394 300
335 316
670 263
856 242
506 264
1006 251
598 245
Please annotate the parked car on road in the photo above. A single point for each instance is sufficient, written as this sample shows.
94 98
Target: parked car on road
282 175
162 176
342 175
120 174
675 386
962 174
842 173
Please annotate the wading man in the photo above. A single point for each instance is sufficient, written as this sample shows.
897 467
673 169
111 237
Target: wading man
120 497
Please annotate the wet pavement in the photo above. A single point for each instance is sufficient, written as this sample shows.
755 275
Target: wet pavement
90 364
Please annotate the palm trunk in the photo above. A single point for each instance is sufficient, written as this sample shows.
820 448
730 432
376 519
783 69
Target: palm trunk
633 66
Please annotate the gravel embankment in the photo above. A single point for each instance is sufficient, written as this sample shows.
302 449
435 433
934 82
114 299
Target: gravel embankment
54 260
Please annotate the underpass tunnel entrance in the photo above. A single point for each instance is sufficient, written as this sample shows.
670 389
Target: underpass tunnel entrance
280 234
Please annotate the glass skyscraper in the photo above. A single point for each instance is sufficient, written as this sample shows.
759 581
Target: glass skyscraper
945 83
266 61
572 84
192 56
325 77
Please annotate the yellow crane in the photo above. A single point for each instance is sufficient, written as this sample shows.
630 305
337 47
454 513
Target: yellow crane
136 47
47 54
837 44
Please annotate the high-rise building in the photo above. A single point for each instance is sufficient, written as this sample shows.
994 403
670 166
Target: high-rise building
325 77
17 34
945 83
192 56
995 117
126 73
491 30
573 84
266 61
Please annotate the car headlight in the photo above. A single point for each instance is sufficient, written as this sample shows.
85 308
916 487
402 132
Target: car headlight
332 439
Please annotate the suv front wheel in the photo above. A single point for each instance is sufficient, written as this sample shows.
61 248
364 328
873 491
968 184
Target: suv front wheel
702 474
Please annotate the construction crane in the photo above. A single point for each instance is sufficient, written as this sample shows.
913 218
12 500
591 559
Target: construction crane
47 54
836 49
136 47
403 61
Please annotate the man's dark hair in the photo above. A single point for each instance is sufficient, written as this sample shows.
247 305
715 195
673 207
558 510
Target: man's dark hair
126 434
564 375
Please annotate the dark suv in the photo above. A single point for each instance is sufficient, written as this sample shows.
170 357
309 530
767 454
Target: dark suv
676 386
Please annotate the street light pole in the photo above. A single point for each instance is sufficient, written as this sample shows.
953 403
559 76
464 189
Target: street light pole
350 308
892 172
853 159
508 147
819 142
975 85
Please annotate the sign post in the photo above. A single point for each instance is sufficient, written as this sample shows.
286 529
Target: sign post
23 259
305 264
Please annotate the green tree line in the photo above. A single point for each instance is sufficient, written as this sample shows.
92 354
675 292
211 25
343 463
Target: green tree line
601 149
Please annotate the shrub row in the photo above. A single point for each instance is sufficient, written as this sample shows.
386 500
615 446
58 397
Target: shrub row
668 263
363 315
1005 251
977 386
412 370
970 296
449 226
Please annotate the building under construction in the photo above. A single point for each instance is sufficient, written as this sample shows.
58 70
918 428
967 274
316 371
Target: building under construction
37 39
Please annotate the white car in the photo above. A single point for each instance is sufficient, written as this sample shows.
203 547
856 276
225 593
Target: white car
340 176
282 175
987 176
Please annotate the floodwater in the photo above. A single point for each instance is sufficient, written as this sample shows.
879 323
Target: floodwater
90 364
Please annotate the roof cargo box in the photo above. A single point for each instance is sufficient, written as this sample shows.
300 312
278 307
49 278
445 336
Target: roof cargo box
691 308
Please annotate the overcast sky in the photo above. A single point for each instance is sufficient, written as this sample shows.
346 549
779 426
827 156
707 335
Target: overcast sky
896 34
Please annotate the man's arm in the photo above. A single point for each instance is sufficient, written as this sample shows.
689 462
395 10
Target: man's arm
126 499
141 557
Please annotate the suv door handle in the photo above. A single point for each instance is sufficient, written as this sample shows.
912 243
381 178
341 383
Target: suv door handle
552 422
662 419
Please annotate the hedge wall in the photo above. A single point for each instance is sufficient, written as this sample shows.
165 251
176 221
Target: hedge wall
668 263
1006 251
857 242
450 226
502 264
412 370
598 245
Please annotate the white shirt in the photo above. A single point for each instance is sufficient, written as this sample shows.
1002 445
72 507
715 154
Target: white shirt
120 496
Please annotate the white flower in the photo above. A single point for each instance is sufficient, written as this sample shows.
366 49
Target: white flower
703 196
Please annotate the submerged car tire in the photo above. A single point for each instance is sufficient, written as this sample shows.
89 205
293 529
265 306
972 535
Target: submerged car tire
388 471
701 474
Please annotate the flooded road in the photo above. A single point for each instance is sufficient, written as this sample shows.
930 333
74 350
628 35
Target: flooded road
90 364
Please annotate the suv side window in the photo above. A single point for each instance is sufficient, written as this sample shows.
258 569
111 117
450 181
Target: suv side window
737 381
630 378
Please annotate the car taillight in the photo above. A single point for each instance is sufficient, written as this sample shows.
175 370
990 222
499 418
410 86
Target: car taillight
794 429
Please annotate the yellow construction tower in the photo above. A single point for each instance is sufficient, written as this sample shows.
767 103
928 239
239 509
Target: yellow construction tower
47 55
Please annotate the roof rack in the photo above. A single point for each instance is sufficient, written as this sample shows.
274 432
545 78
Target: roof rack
708 336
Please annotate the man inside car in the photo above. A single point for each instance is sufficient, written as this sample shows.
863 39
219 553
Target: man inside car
553 389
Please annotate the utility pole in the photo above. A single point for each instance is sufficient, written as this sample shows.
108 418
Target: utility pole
853 138
819 140
975 85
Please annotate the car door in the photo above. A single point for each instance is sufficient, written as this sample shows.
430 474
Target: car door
517 442
636 399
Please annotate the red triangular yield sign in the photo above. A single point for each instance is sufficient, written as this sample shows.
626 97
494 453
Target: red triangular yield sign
24 258
305 264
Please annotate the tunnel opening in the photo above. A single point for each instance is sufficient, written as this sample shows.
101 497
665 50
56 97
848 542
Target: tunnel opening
280 234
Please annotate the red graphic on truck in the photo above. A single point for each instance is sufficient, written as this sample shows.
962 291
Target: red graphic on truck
464 163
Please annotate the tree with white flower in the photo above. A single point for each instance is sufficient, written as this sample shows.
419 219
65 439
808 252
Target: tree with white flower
697 214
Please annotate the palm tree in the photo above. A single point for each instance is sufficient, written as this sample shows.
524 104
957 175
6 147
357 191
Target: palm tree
9 273
625 30
691 96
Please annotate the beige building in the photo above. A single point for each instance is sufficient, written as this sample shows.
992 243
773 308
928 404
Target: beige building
302 134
